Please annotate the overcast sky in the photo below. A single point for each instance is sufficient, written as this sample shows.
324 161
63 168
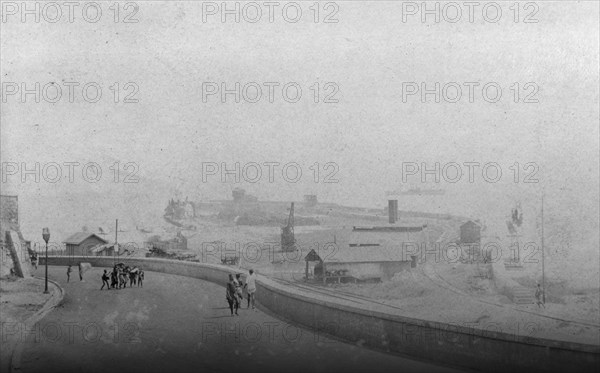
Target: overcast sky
369 133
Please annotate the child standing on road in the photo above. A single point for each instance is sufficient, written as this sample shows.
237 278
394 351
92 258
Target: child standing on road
105 281
69 270
140 278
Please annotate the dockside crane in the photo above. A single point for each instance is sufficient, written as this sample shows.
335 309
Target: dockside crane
288 240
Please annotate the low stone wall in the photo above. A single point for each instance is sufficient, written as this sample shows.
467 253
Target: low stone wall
209 272
443 343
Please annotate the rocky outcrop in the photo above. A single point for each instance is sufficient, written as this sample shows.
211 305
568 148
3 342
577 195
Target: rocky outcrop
14 248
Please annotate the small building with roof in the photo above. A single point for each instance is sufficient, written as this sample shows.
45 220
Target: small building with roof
357 264
366 254
83 243
470 232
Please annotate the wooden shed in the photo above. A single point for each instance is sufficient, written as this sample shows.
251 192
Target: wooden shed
82 243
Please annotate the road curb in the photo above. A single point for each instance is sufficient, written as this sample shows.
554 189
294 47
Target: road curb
55 299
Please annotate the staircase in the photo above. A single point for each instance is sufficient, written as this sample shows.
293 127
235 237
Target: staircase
513 266
521 295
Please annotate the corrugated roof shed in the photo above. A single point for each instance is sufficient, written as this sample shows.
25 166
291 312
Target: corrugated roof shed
390 228
382 239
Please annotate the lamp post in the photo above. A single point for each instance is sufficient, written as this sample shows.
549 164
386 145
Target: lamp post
116 247
46 236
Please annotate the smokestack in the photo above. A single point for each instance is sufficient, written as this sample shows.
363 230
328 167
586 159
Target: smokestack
393 210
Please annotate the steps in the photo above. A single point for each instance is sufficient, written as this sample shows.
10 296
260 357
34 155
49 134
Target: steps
521 295
512 266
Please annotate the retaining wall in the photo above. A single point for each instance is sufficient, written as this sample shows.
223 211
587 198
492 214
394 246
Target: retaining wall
439 342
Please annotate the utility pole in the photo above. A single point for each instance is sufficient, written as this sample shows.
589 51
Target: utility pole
543 256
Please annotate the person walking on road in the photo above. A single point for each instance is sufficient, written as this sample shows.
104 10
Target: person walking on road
539 294
133 273
69 270
240 288
80 271
251 288
231 295
105 281
122 279
114 281
140 278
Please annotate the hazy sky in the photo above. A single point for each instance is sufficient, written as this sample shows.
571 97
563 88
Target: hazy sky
369 133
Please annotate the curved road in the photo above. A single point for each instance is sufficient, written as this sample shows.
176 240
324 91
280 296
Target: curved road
177 323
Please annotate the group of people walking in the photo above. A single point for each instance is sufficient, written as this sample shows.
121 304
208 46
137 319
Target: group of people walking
235 291
122 274
119 276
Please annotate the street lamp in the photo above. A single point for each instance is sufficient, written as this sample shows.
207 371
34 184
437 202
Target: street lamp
46 236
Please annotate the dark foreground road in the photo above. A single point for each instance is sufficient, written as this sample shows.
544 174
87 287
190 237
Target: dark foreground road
176 324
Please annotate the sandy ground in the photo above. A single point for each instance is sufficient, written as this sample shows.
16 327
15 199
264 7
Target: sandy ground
562 300
19 300
415 294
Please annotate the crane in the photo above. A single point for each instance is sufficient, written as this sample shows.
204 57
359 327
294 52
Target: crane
288 241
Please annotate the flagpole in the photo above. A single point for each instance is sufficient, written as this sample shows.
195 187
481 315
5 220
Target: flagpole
543 256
